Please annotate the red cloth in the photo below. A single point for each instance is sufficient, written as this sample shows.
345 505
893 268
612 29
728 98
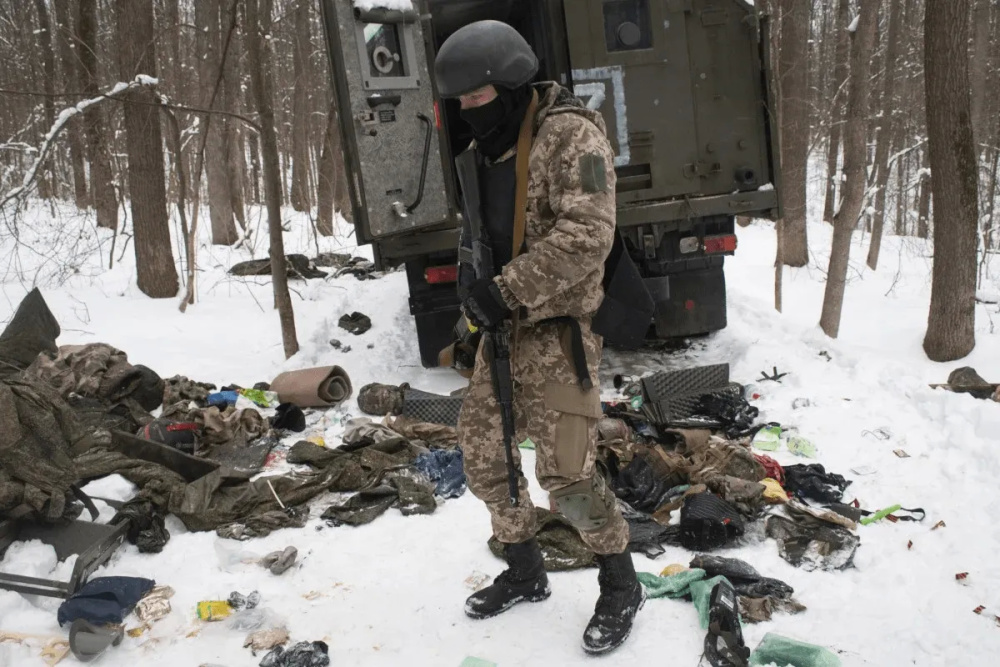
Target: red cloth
771 467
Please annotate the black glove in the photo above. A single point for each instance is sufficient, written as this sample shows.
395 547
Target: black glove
484 306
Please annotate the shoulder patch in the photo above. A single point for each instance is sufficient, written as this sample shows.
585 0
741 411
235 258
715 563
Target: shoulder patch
593 175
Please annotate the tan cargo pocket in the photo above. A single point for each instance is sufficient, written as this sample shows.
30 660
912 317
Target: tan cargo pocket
579 411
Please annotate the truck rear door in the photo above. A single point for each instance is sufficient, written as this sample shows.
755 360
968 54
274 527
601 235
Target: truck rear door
390 125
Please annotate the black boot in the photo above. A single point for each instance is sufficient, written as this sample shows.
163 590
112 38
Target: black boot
523 581
621 598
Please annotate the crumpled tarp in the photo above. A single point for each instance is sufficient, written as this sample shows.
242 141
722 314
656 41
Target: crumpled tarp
812 544
562 547
743 576
410 495
97 370
31 331
146 528
814 482
639 486
303 654
261 525
437 435
444 468
646 535
38 437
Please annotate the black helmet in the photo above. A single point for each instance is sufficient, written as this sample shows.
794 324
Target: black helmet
483 53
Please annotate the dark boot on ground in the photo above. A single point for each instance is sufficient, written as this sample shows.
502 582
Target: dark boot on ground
621 598
523 581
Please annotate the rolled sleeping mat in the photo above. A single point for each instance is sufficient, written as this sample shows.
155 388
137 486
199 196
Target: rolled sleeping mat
325 386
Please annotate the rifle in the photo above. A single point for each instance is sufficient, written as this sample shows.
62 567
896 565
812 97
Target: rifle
498 342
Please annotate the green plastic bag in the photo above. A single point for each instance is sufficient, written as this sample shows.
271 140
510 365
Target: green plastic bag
689 582
782 651
801 447
767 439
477 662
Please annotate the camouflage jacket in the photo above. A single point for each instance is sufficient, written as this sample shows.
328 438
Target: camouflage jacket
570 222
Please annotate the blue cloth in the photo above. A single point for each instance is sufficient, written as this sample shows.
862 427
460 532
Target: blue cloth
444 467
223 398
105 600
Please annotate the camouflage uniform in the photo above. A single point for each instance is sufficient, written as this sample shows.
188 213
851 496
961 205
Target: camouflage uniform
569 231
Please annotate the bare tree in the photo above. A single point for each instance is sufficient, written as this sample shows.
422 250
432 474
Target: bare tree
47 180
300 199
332 182
793 71
157 275
855 158
258 24
105 202
951 332
886 130
837 107
220 200
980 62
68 62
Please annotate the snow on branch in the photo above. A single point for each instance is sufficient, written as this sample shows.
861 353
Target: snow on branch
65 115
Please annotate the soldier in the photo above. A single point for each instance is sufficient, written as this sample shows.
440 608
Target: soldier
550 290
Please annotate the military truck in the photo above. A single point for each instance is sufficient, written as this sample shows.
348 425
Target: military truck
682 85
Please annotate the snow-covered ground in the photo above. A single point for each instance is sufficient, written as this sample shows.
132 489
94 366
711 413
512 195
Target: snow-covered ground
391 593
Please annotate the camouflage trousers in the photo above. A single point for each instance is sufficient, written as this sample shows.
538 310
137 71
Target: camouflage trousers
555 413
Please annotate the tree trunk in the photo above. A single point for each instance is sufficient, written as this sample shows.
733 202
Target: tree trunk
258 25
300 111
67 60
980 61
924 201
855 160
793 71
235 159
47 179
886 131
220 200
255 168
951 322
332 191
157 275
837 110
105 202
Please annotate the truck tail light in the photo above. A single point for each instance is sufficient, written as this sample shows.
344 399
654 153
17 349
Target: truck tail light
437 115
436 275
724 243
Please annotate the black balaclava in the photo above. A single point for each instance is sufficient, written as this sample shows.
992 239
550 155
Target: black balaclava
497 124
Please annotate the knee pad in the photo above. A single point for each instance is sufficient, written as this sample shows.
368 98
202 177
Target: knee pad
586 504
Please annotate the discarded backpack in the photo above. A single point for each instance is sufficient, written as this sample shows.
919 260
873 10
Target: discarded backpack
708 522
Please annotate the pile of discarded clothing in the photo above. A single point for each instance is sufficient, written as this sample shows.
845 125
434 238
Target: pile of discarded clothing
73 414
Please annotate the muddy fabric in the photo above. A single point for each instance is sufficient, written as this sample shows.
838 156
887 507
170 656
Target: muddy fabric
562 548
553 412
673 468
263 524
180 390
759 610
99 371
410 495
303 654
813 545
146 527
813 482
32 330
747 497
435 435
227 427
569 227
717 456
381 399
38 434
797 509
743 576
296 266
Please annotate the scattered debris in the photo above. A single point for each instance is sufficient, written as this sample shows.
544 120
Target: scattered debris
939 524
909 545
775 376
296 266
278 562
901 453
477 581
265 640
357 323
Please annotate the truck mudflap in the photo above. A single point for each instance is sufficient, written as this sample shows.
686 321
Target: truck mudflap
689 303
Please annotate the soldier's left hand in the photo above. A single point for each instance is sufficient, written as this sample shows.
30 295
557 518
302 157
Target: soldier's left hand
484 306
